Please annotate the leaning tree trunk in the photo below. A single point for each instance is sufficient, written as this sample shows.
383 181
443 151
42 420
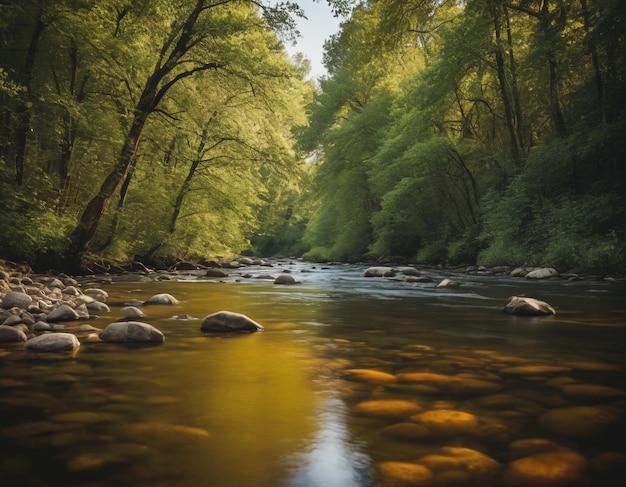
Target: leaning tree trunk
90 218
183 39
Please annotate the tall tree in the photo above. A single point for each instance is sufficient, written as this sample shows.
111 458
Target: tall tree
194 24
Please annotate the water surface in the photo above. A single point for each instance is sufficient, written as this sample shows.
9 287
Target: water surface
286 408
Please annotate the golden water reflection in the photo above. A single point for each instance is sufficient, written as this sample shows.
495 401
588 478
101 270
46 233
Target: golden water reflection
317 400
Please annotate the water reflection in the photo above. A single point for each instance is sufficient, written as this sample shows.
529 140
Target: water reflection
350 379
333 459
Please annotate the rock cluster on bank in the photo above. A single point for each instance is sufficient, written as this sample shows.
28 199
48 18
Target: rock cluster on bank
45 314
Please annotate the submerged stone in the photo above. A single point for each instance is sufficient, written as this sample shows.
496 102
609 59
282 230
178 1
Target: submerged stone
448 423
369 375
469 386
406 431
592 392
403 474
580 421
94 461
424 378
387 408
535 370
162 432
551 469
484 470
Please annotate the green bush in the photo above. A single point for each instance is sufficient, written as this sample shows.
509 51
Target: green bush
317 254
434 253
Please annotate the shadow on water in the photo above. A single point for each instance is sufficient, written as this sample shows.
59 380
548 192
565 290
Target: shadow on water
356 382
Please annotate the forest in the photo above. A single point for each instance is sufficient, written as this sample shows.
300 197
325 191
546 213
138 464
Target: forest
447 132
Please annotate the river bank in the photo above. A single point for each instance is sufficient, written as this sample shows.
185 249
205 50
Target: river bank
109 270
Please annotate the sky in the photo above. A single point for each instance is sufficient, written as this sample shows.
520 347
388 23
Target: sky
321 24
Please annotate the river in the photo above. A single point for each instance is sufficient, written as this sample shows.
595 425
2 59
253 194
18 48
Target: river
355 382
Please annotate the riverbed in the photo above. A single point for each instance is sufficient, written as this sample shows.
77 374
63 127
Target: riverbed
355 382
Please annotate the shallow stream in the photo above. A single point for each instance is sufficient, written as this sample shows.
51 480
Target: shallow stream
355 382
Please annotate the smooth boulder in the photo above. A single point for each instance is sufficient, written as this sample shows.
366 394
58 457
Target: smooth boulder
62 313
131 332
380 271
53 342
16 299
132 312
227 321
162 298
542 273
10 334
285 279
524 306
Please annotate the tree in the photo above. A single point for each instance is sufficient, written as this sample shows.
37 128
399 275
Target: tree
192 26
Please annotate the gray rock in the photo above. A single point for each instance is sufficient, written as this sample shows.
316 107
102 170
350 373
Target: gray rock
285 279
380 271
98 307
449 284
10 334
523 306
53 342
542 273
131 331
42 326
62 313
227 321
71 291
163 298
12 320
132 312
420 279
16 299
96 293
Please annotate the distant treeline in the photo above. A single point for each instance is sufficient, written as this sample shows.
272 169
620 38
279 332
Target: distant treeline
478 131
446 132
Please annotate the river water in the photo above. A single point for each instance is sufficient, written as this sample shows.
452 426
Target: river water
355 382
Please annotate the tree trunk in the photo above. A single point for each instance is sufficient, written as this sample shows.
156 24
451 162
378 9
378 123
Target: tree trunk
180 197
90 218
550 33
153 91
504 85
23 111
594 59
519 118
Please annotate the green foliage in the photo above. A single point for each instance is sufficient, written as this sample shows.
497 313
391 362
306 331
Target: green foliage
445 131
207 110
586 232
31 232
435 253
318 254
